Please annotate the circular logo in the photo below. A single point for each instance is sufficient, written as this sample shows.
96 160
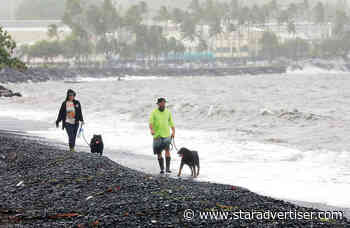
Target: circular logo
188 214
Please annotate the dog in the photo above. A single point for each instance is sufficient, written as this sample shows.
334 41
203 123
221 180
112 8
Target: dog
191 159
96 144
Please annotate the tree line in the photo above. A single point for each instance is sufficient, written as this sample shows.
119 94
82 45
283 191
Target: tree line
97 29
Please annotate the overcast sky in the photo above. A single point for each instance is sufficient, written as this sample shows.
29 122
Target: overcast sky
6 3
5 9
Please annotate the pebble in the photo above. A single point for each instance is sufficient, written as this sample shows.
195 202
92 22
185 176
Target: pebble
70 190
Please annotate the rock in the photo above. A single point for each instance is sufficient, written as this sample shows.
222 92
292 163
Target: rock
17 95
52 196
20 184
40 74
8 93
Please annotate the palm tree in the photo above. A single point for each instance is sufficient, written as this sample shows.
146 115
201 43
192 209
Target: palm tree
292 30
172 46
188 27
293 10
306 8
144 10
195 7
234 9
215 27
341 19
141 42
143 7
156 42
133 17
180 48
270 44
319 12
109 16
163 15
178 15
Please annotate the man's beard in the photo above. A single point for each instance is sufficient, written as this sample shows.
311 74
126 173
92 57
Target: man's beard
161 109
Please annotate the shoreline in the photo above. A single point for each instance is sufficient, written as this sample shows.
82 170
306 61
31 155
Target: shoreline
82 188
63 71
42 74
125 159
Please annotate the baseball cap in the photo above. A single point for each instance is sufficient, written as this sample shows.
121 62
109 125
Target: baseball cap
161 99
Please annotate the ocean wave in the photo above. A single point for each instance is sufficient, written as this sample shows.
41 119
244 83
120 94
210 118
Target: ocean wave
116 78
294 114
319 66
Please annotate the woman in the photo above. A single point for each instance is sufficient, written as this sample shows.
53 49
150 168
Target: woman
70 114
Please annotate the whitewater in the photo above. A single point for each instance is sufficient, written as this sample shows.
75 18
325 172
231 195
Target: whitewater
286 136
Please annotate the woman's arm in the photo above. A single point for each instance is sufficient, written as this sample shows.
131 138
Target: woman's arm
81 112
60 114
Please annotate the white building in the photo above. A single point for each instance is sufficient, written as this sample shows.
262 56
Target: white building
304 30
30 31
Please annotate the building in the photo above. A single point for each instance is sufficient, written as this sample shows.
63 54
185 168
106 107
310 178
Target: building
242 43
308 31
245 41
28 32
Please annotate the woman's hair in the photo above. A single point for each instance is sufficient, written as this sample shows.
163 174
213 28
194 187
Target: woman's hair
70 92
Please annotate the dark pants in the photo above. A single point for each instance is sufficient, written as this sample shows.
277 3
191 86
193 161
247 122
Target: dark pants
72 130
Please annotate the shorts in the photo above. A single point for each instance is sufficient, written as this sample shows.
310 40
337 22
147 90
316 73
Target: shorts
160 144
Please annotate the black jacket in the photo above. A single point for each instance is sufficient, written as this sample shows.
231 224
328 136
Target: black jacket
62 115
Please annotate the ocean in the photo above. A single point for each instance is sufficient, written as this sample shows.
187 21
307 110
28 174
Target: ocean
286 136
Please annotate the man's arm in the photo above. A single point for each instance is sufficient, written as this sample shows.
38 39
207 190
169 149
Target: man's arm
172 125
151 128
151 122
173 132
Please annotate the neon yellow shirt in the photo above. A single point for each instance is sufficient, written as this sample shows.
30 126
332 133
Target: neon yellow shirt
161 123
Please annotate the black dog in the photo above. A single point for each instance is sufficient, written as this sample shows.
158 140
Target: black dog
96 144
191 159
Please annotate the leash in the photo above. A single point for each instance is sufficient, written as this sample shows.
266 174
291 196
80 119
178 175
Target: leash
173 145
81 132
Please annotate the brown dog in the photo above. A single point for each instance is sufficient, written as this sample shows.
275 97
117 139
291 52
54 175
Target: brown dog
191 159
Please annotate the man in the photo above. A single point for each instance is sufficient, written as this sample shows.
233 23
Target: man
70 114
160 123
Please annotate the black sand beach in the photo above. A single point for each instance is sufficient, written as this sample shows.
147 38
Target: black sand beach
42 185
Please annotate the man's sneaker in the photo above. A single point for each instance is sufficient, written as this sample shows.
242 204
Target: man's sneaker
162 172
168 171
